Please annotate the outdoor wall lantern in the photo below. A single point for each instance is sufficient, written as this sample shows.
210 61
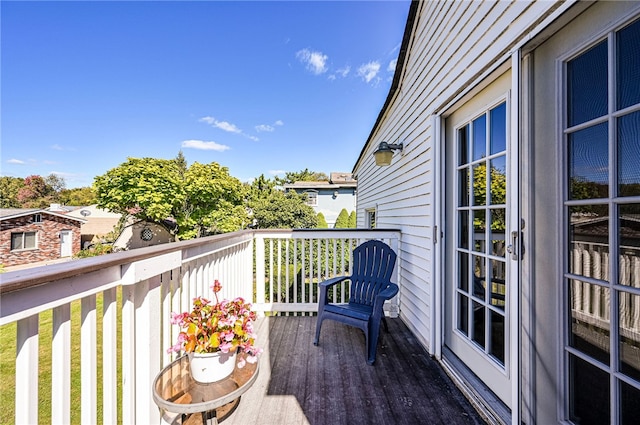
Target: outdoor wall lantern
384 153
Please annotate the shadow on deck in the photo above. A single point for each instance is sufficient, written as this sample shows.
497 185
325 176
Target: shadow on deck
300 383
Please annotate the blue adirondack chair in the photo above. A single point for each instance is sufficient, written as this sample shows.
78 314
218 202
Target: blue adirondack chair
371 286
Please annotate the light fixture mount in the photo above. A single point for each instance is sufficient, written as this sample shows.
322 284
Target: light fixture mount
384 153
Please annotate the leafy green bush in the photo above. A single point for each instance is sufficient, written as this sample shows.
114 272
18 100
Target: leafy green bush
94 251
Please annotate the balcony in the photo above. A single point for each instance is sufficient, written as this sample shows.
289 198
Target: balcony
91 335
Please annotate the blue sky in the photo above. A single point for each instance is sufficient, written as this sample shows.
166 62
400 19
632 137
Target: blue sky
259 87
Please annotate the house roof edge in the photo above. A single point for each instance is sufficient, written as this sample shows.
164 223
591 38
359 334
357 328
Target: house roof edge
395 84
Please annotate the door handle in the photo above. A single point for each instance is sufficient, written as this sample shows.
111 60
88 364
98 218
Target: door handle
512 248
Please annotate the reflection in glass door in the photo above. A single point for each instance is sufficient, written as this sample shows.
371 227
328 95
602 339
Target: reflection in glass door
481 293
602 206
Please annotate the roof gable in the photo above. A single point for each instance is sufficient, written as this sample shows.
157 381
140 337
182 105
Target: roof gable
9 213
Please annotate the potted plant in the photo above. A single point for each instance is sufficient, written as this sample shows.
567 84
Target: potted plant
213 333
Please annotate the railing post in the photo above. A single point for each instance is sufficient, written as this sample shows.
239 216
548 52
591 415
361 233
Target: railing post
247 260
147 346
128 356
88 361
260 270
394 304
61 365
109 357
27 371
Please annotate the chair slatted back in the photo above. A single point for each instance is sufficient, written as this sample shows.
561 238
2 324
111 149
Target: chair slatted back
373 263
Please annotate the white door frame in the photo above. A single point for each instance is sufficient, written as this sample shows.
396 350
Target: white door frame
517 228
439 254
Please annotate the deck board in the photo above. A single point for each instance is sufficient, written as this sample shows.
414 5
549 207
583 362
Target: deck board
300 383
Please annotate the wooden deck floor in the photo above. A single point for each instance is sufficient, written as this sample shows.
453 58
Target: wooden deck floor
300 383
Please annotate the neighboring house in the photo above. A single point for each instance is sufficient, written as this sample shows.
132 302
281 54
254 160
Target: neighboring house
329 197
140 234
99 223
34 235
134 233
517 191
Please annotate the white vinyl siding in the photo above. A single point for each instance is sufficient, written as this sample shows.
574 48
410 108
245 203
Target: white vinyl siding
469 40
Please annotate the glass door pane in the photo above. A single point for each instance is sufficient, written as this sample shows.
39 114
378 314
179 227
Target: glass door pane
603 230
482 189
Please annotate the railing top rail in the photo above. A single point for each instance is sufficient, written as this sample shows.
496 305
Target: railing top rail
30 277
310 233
26 278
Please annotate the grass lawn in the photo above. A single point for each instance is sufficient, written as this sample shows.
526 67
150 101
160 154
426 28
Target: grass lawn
7 365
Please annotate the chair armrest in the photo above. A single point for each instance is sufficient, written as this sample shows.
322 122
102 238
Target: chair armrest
386 294
323 287
333 281
389 292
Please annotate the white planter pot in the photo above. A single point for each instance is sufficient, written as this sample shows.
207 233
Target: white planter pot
211 367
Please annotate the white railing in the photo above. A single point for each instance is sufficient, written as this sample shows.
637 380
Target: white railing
289 265
590 302
277 270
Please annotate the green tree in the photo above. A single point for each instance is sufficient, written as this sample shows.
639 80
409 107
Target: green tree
259 188
213 203
581 188
9 188
342 222
55 185
34 193
280 210
271 208
202 199
300 176
322 222
147 188
181 161
498 188
353 223
31 192
80 196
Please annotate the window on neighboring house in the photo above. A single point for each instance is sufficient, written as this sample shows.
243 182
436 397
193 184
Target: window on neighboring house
312 198
371 218
23 240
37 218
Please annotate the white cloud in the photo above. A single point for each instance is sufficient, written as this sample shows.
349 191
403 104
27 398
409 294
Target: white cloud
368 71
208 120
276 172
222 125
57 147
268 127
392 65
344 71
316 62
64 175
205 146
231 128
16 161
264 127
396 48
